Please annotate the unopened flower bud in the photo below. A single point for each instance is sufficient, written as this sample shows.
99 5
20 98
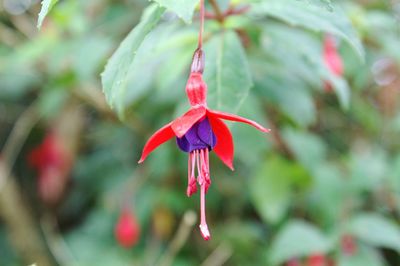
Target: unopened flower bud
198 62
127 230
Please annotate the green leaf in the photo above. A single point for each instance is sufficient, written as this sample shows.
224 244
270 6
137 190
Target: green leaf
341 88
313 17
328 192
51 102
89 54
369 169
290 95
376 230
308 148
365 256
249 137
183 8
227 72
47 5
298 239
271 187
328 3
304 62
166 47
116 73
301 61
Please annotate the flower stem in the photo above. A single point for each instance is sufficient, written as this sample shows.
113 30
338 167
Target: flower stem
201 31
198 56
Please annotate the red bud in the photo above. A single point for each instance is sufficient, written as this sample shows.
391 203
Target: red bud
317 260
198 62
127 230
348 244
53 165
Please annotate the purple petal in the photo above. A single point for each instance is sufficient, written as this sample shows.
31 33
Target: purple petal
199 136
204 131
183 144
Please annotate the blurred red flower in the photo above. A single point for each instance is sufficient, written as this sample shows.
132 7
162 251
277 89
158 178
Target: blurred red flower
348 243
320 260
127 229
332 59
52 162
293 262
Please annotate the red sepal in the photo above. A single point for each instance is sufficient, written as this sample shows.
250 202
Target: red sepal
224 148
162 135
237 118
182 124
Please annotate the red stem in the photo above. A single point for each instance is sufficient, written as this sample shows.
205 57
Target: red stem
202 15
238 11
231 11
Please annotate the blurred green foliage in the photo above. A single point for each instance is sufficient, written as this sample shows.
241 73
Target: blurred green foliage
329 169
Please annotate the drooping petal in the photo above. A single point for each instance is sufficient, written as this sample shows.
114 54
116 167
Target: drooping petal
182 124
237 118
193 137
162 135
224 148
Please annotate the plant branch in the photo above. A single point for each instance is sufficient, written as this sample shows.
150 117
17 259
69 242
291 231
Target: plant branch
201 31
21 225
231 11
219 256
56 242
17 137
96 100
180 238
8 36
219 16
279 141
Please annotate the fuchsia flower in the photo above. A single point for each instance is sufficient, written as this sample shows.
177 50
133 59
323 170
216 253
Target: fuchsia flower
127 229
332 59
197 132
53 164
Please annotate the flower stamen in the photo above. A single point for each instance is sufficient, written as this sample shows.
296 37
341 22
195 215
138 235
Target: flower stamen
192 186
205 168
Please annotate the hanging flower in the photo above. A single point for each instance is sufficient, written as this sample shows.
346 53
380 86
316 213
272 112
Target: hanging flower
197 132
52 162
332 59
127 229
